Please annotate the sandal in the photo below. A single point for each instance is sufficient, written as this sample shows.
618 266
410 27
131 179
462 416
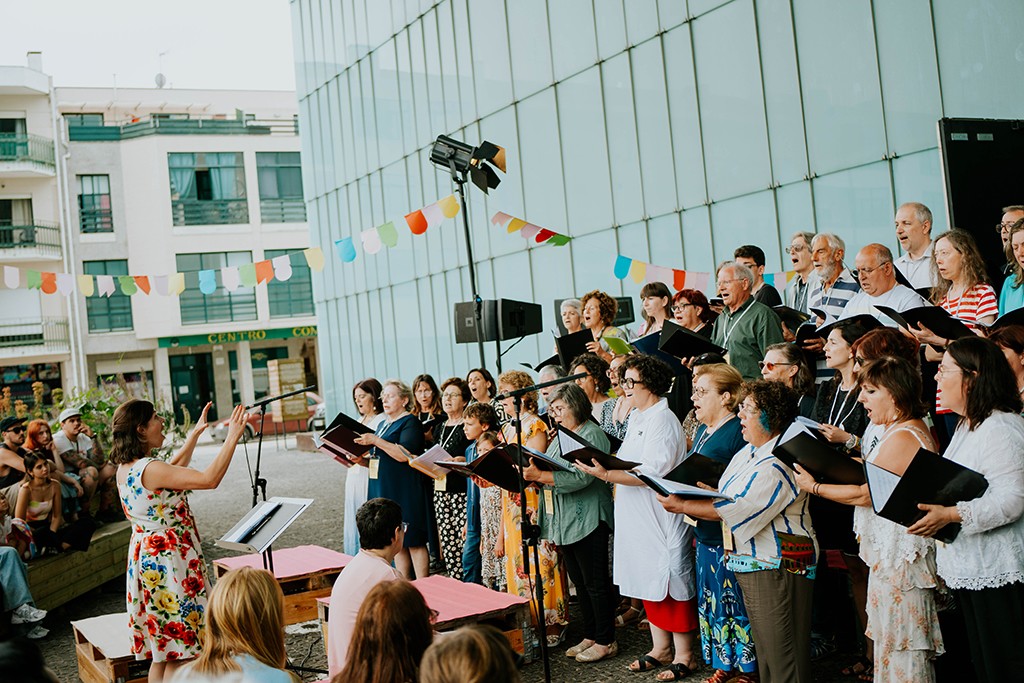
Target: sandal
644 625
630 616
860 666
645 663
719 676
677 670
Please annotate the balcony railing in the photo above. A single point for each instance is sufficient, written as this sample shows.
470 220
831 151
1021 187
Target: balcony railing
161 126
95 220
283 210
32 148
40 236
209 211
49 332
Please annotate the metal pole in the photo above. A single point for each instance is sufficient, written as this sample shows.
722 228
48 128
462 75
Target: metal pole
477 301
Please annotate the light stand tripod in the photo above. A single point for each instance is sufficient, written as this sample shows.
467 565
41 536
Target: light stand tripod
478 303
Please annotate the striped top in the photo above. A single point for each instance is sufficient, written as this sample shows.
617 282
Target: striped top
768 508
977 302
832 300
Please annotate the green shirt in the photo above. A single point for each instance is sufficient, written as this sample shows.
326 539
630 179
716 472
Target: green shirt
581 501
746 334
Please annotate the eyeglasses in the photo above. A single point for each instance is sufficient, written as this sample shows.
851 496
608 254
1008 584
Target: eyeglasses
700 392
727 282
795 248
404 527
1005 227
679 308
761 364
629 382
749 409
868 271
944 370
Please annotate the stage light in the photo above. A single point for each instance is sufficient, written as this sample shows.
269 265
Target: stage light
474 162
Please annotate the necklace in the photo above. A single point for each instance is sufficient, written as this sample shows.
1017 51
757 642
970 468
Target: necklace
832 415
446 440
708 431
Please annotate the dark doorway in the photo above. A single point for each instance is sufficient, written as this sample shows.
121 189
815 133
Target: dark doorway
192 385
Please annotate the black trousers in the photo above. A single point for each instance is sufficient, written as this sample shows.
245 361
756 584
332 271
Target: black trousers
995 629
586 561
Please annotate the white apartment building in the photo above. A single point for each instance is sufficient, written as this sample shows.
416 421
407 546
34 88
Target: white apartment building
164 181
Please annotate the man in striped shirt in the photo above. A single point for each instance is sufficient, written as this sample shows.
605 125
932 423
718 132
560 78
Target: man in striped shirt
835 287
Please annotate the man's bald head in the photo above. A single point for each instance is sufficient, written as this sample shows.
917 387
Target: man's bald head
875 269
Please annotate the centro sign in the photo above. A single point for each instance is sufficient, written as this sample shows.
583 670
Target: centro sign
227 337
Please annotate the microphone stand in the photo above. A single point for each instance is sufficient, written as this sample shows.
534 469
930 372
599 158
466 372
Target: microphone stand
259 484
531 532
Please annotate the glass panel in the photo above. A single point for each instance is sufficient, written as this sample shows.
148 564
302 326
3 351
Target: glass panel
587 250
633 243
732 109
910 77
980 52
781 90
552 275
611 27
671 13
407 102
108 313
500 128
490 56
697 253
747 220
378 22
684 117
918 178
795 210
531 46
641 20
464 57
574 46
449 68
293 297
542 163
358 129
421 103
856 205
406 311
588 182
435 89
387 104
839 74
622 144
657 169
666 240
699 7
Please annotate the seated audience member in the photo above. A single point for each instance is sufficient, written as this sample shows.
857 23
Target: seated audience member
392 631
799 287
571 311
244 631
752 257
984 565
595 385
82 453
23 662
746 327
787 363
472 654
914 231
599 311
1011 296
655 306
39 504
381 532
17 598
12 452
39 438
878 287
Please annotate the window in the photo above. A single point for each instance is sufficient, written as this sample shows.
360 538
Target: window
84 119
294 297
221 305
94 203
208 188
108 313
280 181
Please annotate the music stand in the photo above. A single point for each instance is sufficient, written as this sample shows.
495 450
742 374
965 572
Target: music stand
262 525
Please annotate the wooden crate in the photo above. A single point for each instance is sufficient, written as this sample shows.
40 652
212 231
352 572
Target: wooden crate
103 648
305 573
58 579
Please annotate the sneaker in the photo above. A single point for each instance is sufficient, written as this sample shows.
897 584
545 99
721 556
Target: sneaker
27 614
37 632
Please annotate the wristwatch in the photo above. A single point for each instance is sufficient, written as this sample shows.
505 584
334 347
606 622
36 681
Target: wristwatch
852 442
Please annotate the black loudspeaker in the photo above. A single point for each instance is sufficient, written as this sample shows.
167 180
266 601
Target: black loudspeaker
981 164
625 314
500 319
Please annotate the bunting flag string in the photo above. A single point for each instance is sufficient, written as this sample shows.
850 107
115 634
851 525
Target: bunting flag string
641 273
529 231
386 235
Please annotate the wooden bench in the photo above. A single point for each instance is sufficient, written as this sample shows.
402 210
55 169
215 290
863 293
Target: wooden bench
306 572
103 647
58 579
458 604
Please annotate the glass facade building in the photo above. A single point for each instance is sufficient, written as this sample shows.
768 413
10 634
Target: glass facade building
670 131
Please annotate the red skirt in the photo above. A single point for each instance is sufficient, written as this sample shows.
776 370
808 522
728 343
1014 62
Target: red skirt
672 615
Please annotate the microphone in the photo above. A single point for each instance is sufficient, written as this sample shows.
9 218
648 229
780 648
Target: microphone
270 399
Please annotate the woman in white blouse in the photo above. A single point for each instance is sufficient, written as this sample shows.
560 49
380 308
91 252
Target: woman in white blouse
985 564
653 557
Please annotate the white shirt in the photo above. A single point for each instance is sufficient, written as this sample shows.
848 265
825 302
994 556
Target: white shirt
918 271
82 444
654 548
989 550
899 298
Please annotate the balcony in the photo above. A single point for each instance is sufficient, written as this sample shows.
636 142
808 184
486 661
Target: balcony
210 211
34 335
26 156
39 241
165 126
283 210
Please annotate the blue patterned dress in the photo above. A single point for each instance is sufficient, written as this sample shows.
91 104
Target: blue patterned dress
166 573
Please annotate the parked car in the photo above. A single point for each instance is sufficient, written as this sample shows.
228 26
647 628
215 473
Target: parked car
314 405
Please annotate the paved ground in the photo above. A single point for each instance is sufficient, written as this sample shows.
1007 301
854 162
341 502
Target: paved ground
309 475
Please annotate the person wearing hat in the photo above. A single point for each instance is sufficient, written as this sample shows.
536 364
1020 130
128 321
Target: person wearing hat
12 465
81 451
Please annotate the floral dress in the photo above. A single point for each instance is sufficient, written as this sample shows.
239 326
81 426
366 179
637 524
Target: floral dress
556 607
166 571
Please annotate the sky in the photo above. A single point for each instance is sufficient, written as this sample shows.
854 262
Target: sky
216 44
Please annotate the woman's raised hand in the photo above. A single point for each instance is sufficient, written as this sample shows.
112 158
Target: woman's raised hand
236 425
201 423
